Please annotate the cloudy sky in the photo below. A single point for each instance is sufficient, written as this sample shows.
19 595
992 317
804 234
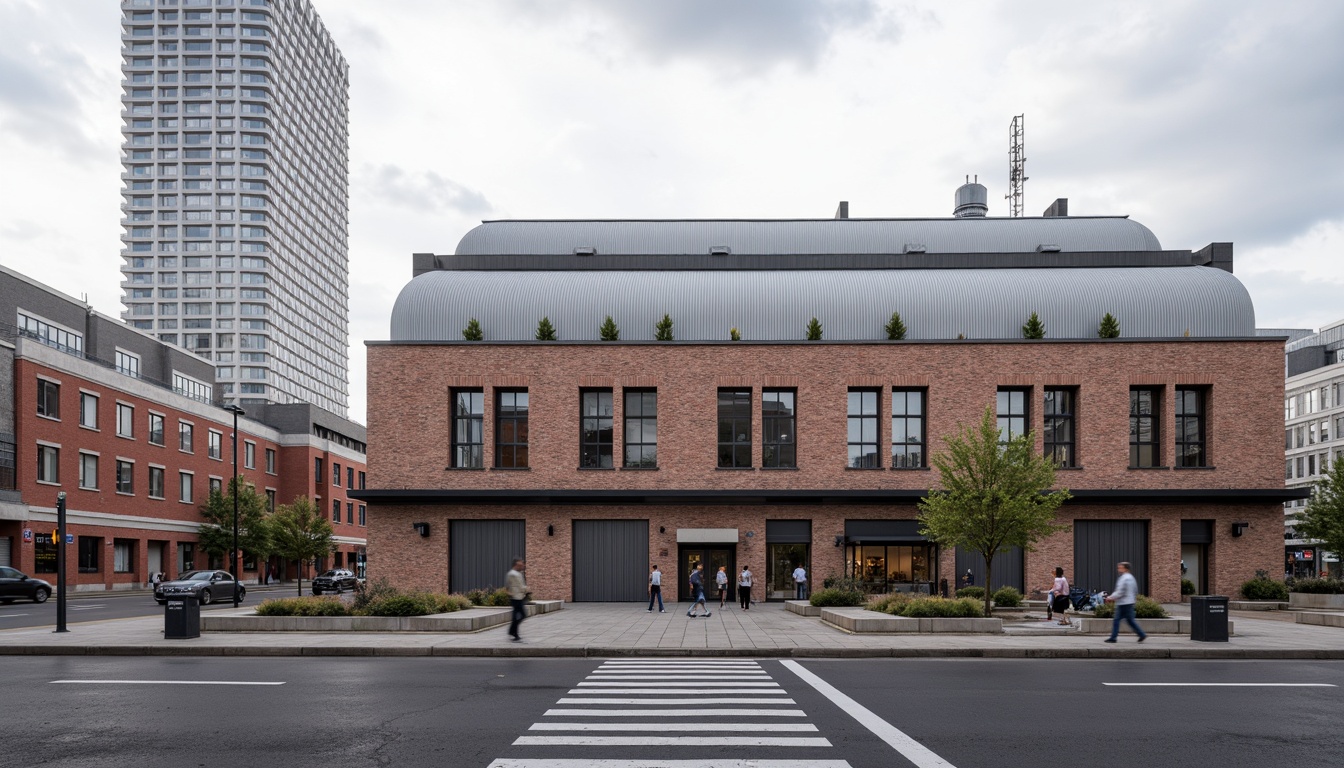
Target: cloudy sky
1206 121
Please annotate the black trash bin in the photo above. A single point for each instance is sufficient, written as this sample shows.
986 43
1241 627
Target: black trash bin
1208 618
182 618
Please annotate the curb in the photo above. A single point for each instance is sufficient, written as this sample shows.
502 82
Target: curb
525 651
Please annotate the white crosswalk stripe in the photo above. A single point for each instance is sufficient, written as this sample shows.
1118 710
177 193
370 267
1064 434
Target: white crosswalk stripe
678 703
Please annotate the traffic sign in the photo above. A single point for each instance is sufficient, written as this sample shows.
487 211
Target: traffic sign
69 538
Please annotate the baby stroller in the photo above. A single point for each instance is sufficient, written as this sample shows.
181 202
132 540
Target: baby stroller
1080 599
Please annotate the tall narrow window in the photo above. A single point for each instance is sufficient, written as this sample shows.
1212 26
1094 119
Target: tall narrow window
734 428
1144 424
88 410
125 479
185 437
216 443
779 439
88 471
48 464
595 429
863 442
125 420
249 454
641 428
1012 412
48 399
270 461
185 492
1191 450
511 429
907 428
1060 441
336 510
468 429
156 429
156 482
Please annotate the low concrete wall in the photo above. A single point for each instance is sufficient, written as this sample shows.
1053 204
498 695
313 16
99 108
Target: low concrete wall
1256 605
469 620
1151 626
1322 619
802 608
1316 602
864 621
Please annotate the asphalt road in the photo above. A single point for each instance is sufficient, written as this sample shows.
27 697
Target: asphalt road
477 713
109 605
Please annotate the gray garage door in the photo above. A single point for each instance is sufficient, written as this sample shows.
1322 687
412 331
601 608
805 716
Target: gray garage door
1099 544
4 550
481 552
1007 568
611 561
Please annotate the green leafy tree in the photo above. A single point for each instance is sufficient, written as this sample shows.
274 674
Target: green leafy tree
813 330
545 331
895 327
609 330
663 330
734 334
1323 519
995 495
473 331
301 532
1034 329
1109 328
254 534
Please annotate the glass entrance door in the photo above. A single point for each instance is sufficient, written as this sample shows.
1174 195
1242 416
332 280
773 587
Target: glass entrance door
712 557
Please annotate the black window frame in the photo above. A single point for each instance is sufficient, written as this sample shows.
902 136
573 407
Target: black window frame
468 453
125 477
186 437
1137 419
156 437
597 428
730 417
1191 451
1056 417
1006 413
779 429
48 399
89 549
511 433
639 414
162 476
862 419
920 422
42 451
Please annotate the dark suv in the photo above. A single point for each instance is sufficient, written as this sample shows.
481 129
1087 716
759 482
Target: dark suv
336 580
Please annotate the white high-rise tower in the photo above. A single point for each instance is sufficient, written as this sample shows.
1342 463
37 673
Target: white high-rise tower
236 200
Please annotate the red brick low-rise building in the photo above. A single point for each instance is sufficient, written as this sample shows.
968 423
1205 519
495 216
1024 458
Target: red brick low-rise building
596 459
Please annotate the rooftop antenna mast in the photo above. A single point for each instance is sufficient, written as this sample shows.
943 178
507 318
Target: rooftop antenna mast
1017 164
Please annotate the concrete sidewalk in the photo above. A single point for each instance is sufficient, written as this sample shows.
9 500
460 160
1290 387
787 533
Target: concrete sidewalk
624 629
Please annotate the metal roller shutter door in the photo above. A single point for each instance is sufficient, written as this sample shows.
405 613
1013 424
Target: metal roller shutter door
4 550
482 551
611 561
1099 544
1007 568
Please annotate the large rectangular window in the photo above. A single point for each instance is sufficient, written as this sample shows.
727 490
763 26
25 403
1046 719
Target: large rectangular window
249 454
641 428
89 548
88 471
48 464
1191 448
779 437
468 428
123 555
862 433
185 492
1144 427
125 420
185 437
510 429
48 399
156 429
595 429
156 482
907 428
88 410
1012 413
734 428
1060 440
215 444
125 479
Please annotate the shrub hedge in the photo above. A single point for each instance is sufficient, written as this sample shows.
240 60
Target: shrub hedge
891 603
1264 588
1145 608
1316 587
834 597
303 606
940 608
385 601
1007 597
1187 587
975 592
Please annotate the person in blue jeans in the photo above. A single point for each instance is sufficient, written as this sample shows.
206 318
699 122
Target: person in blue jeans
698 591
656 589
1125 595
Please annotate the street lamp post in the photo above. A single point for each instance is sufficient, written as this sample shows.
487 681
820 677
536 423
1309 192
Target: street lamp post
233 553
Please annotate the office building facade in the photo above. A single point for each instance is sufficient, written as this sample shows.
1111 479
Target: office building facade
1313 413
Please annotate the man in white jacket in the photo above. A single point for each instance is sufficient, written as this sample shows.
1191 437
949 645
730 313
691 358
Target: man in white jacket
1125 595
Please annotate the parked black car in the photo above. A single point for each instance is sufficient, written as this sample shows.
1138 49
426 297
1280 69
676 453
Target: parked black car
15 584
205 586
336 580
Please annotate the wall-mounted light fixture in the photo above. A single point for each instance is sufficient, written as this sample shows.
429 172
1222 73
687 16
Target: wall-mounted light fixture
550 530
421 528
1237 528
839 540
662 529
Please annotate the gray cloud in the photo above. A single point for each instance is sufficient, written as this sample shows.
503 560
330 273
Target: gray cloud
40 99
419 190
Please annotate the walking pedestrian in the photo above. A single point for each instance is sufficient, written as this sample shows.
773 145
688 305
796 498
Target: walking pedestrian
1059 597
1125 595
800 583
721 580
968 580
698 590
517 587
656 589
744 588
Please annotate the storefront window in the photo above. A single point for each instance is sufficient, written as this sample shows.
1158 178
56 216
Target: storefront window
44 554
883 568
783 558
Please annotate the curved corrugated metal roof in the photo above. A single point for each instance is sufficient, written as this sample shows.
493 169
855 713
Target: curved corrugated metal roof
1152 302
808 236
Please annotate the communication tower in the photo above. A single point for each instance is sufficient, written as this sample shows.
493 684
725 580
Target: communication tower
1017 164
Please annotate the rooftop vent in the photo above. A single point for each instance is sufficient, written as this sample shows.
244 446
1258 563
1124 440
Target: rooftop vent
972 200
1047 248
719 250
915 248
585 250
1057 209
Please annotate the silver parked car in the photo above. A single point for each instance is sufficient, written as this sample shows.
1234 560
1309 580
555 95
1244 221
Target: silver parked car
205 586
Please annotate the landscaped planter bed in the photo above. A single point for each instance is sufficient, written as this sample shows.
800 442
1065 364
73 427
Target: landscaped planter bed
468 620
802 608
864 621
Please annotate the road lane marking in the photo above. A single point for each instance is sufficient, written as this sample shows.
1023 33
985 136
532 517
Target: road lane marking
677 691
696 700
671 741
703 763
719 662
1222 685
12 615
681 676
674 684
700 712
698 727
160 682
910 749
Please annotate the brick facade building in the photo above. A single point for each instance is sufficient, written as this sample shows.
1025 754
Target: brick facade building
596 459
